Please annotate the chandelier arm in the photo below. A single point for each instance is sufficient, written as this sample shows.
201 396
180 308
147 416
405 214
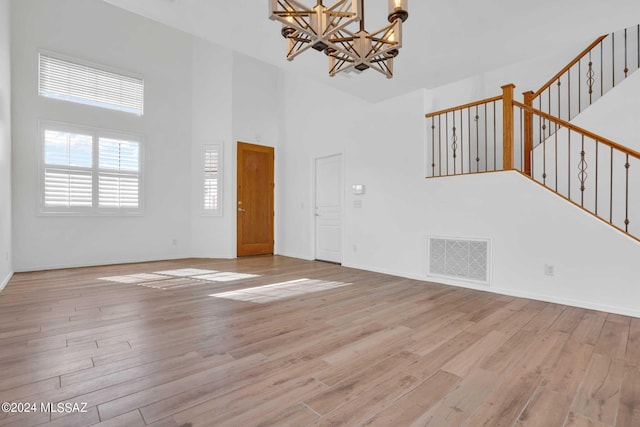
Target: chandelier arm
297 46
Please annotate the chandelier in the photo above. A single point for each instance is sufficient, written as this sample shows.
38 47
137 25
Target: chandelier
327 29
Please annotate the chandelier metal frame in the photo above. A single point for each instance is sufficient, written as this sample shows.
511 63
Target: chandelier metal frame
326 29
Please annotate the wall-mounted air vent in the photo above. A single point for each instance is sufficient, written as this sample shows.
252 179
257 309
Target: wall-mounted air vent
457 258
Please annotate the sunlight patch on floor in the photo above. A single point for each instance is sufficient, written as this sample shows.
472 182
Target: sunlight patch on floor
225 277
186 272
278 291
182 278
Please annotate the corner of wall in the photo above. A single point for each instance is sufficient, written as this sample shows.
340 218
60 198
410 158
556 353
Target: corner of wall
5 282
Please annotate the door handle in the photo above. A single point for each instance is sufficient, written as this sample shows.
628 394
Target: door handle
240 210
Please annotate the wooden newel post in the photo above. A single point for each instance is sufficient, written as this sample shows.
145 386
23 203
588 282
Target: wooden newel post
507 126
528 132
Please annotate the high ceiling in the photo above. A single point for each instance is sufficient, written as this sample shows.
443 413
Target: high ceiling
444 41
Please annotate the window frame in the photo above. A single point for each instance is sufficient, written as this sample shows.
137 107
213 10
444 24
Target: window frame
98 66
217 212
96 134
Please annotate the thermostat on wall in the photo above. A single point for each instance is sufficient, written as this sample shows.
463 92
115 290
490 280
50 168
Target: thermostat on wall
358 189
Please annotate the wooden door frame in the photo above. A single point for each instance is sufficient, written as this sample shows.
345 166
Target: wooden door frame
264 149
314 195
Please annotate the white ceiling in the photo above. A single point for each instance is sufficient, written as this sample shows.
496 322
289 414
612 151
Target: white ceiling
444 41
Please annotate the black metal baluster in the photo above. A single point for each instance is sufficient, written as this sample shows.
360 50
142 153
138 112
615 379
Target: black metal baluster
580 85
454 141
555 156
559 107
461 143
568 95
486 141
495 143
477 119
597 146
540 119
544 127
590 79
469 136
440 144
522 166
433 147
569 162
544 161
626 195
532 155
626 68
446 136
582 174
613 59
601 68
611 189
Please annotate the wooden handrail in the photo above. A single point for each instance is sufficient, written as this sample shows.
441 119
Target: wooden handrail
569 65
578 129
462 107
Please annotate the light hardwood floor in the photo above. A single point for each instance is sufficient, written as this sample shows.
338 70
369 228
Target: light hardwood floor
361 349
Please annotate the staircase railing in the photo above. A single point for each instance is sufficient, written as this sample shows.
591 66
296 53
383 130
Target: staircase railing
597 69
593 172
467 139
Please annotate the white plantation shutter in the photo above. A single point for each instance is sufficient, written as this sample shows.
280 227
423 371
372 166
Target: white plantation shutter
67 189
86 171
67 173
119 162
118 191
211 200
73 81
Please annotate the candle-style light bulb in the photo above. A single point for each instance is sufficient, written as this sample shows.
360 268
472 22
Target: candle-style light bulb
398 10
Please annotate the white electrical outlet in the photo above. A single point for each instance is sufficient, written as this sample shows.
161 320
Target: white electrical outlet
549 270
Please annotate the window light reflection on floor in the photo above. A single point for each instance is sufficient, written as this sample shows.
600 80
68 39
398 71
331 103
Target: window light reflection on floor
278 291
181 278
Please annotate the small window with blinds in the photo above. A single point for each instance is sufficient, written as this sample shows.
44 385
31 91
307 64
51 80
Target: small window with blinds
88 171
73 80
212 186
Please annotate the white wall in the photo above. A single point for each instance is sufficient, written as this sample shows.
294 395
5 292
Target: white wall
5 145
212 236
108 35
595 266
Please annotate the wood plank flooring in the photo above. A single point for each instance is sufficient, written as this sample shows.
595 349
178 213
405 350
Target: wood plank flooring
304 344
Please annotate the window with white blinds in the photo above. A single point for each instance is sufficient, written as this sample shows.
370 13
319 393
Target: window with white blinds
75 81
212 186
119 166
89 171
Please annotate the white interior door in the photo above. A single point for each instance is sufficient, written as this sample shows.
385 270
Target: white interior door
328 208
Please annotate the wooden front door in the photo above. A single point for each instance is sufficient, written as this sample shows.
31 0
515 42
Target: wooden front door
255 199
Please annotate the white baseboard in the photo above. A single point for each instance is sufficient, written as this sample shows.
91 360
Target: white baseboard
385 271
568 301
99 263
6 281
510 292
